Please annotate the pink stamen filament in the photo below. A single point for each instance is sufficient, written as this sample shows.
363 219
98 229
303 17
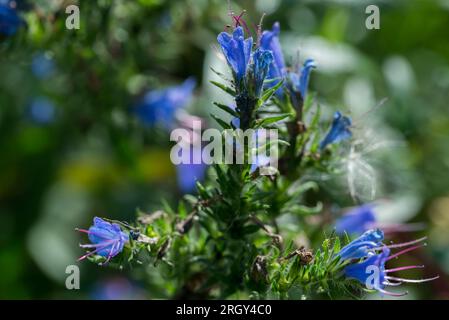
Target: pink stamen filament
394 294
404 268
240 22
98 248
411 280
392 284
404 251
110 254
405 244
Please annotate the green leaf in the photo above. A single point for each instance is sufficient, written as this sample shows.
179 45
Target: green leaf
270 120
222 123
225 88
221 75
227 109
268 93
250 229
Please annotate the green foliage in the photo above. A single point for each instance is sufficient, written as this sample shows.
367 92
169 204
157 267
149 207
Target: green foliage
232 238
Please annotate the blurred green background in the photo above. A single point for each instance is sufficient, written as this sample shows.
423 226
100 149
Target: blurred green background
87 155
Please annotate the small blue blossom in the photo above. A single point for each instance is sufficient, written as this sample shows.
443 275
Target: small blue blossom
107 239
299 81
9 19
340 130
42 66
262 60
159 106
270 41
189 173
363 245
357 220
237 51
361 271
42 110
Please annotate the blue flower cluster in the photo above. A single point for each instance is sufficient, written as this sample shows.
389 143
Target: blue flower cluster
366 257
266 62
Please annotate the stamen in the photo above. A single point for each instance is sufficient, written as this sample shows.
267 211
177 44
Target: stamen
97 244
412 280
109 255
259 29
404 268
394 294
88 254
100 247
240 22
392 284
400 245
404 251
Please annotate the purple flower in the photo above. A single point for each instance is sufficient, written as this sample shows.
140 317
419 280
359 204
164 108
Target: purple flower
237 51
270 41
107 239
159 106
9 19
261 63
371 256
357 220
340 130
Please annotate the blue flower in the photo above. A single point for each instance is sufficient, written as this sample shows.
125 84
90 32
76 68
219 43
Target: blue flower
159 106
42 110
107 239
362 271
340 130
369 256
363 245
270 41
357 220
42 66
299 81
9 20
237 51
262 60
188 175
